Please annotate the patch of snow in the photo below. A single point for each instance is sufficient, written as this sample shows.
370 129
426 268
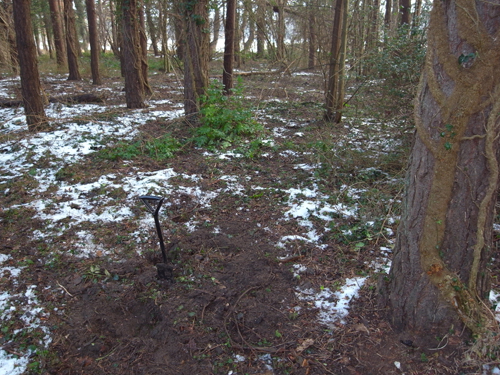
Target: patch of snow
331 312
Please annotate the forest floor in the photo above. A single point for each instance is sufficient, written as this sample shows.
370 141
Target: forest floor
276 246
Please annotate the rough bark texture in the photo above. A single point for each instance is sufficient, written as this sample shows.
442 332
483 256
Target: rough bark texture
55 15
72 44
332 94
195 56
30 80
134 87
227 73
94 42
439 274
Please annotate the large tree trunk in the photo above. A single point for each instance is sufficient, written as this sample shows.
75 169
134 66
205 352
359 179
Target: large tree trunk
72 45
195 57
94 42
134 85
227 73
30 80
438 274
57 28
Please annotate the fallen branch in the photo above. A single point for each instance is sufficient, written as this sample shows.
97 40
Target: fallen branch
83 98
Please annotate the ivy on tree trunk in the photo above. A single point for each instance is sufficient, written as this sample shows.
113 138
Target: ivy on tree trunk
439 277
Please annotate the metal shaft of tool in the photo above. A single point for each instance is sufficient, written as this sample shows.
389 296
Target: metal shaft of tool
158 229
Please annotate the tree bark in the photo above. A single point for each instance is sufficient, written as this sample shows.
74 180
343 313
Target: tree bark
312 34
57 28
280 34
153 32
72 44
94 42
260 24
216 28
195 57
332 94
227 73
30 80
405 12
134 86
339 105
438 275
143 43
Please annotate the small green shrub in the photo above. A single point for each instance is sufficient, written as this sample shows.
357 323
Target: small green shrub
224 118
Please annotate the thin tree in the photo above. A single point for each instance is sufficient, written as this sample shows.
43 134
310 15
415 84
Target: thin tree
227 73
438 277
196 56
94 42
260 23
30 79
134 84
143 44
72 45
57 28
333 94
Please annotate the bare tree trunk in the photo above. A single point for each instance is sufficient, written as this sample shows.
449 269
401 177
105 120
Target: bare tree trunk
30 80
312 37
153 32
82 38
179 31
261 24
7 23
115 33
438 275
94 42
216 28
388 14
71 41
47 28
332 94
405 12
237 40
195 57
341 64
134 86
143 43
57 28
280 34
227 73
416 13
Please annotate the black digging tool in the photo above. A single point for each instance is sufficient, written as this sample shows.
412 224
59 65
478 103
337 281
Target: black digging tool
153 204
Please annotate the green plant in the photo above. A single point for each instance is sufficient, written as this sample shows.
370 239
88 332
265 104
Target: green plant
160 148
224 118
